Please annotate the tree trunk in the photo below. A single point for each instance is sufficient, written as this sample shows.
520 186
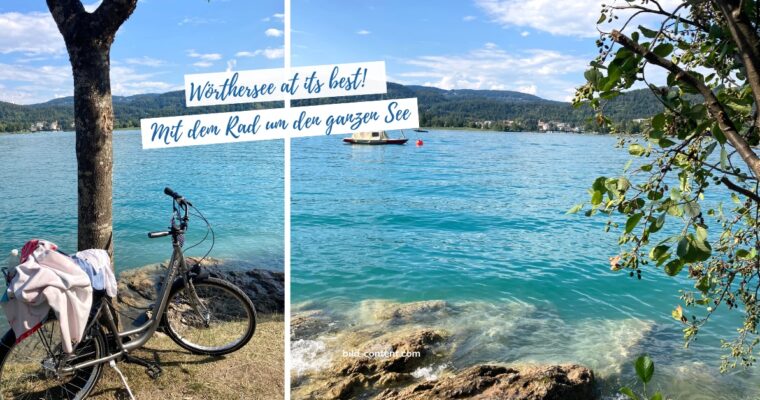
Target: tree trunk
90 62
88 38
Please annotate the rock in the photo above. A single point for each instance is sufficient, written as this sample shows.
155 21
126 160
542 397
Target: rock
405 354
139 287
553 382
265 288
404 313
395 356
308 324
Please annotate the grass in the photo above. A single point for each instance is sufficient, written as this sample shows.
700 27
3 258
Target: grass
253 372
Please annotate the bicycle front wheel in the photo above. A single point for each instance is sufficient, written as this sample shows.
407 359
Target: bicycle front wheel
28 368
222 320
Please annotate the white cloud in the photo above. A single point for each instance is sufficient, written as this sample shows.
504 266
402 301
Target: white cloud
490 45
126 81
92 7
204 56
363 32
231 64
273 32
33 33
534 71
203 64
269 53
195 21
529 89
469 18
524 33
27 85
278 16
576 18
145 61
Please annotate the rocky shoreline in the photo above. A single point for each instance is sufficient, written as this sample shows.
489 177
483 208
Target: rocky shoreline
138 286
403 355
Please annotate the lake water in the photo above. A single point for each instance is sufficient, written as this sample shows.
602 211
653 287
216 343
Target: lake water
238 187
478 220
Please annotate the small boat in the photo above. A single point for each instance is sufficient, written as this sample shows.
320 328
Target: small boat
420 130
374 138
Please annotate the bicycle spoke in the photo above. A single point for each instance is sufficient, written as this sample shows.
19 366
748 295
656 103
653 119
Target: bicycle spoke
29 370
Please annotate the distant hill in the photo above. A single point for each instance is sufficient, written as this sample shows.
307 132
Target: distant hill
506 110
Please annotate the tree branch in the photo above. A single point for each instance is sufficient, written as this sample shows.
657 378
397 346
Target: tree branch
111 14
747 43
714 107
736 188
66 14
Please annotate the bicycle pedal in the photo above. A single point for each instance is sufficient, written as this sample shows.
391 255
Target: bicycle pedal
154 371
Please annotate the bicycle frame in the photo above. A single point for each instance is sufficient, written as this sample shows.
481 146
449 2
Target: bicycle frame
177 264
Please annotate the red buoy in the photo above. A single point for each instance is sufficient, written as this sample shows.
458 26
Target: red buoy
419 142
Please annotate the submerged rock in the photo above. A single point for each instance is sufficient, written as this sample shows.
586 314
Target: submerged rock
139 287
387 350
554 382
404 313
308 324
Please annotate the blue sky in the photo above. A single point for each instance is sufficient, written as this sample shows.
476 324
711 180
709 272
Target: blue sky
162 41
540 47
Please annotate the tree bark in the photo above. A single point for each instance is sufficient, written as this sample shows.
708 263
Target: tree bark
93 110
88 38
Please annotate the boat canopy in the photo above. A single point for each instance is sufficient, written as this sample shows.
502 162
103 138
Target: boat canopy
379 136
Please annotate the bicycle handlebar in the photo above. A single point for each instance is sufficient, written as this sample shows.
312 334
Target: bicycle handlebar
180 213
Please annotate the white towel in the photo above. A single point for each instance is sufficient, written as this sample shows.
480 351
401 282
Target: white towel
47 280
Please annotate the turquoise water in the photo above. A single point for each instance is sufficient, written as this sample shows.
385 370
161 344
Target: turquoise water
238 187
478 219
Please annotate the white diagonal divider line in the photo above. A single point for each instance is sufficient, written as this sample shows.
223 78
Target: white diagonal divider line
243 126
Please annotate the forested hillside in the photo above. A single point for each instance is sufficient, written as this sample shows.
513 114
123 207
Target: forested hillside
491 109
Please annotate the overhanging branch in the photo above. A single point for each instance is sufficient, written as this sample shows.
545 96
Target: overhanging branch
714 107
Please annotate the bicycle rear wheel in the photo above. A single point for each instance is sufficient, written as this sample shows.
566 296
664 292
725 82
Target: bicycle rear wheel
223 322
27 368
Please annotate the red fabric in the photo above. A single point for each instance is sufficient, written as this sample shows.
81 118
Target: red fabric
31 246
28 333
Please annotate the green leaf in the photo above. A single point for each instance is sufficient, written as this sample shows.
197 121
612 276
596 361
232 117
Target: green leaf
658 252
658 122
673 267
628 392
596 198
636 149
723 158
663 49
741 253
692 208
701 234
656 396
575 209
601 19
593 76
644 368
633 220
683 247
647 32
657 224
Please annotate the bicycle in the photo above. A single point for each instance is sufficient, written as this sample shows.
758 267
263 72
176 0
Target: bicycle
202 314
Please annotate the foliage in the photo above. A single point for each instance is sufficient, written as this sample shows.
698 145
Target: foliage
699 147
644 371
